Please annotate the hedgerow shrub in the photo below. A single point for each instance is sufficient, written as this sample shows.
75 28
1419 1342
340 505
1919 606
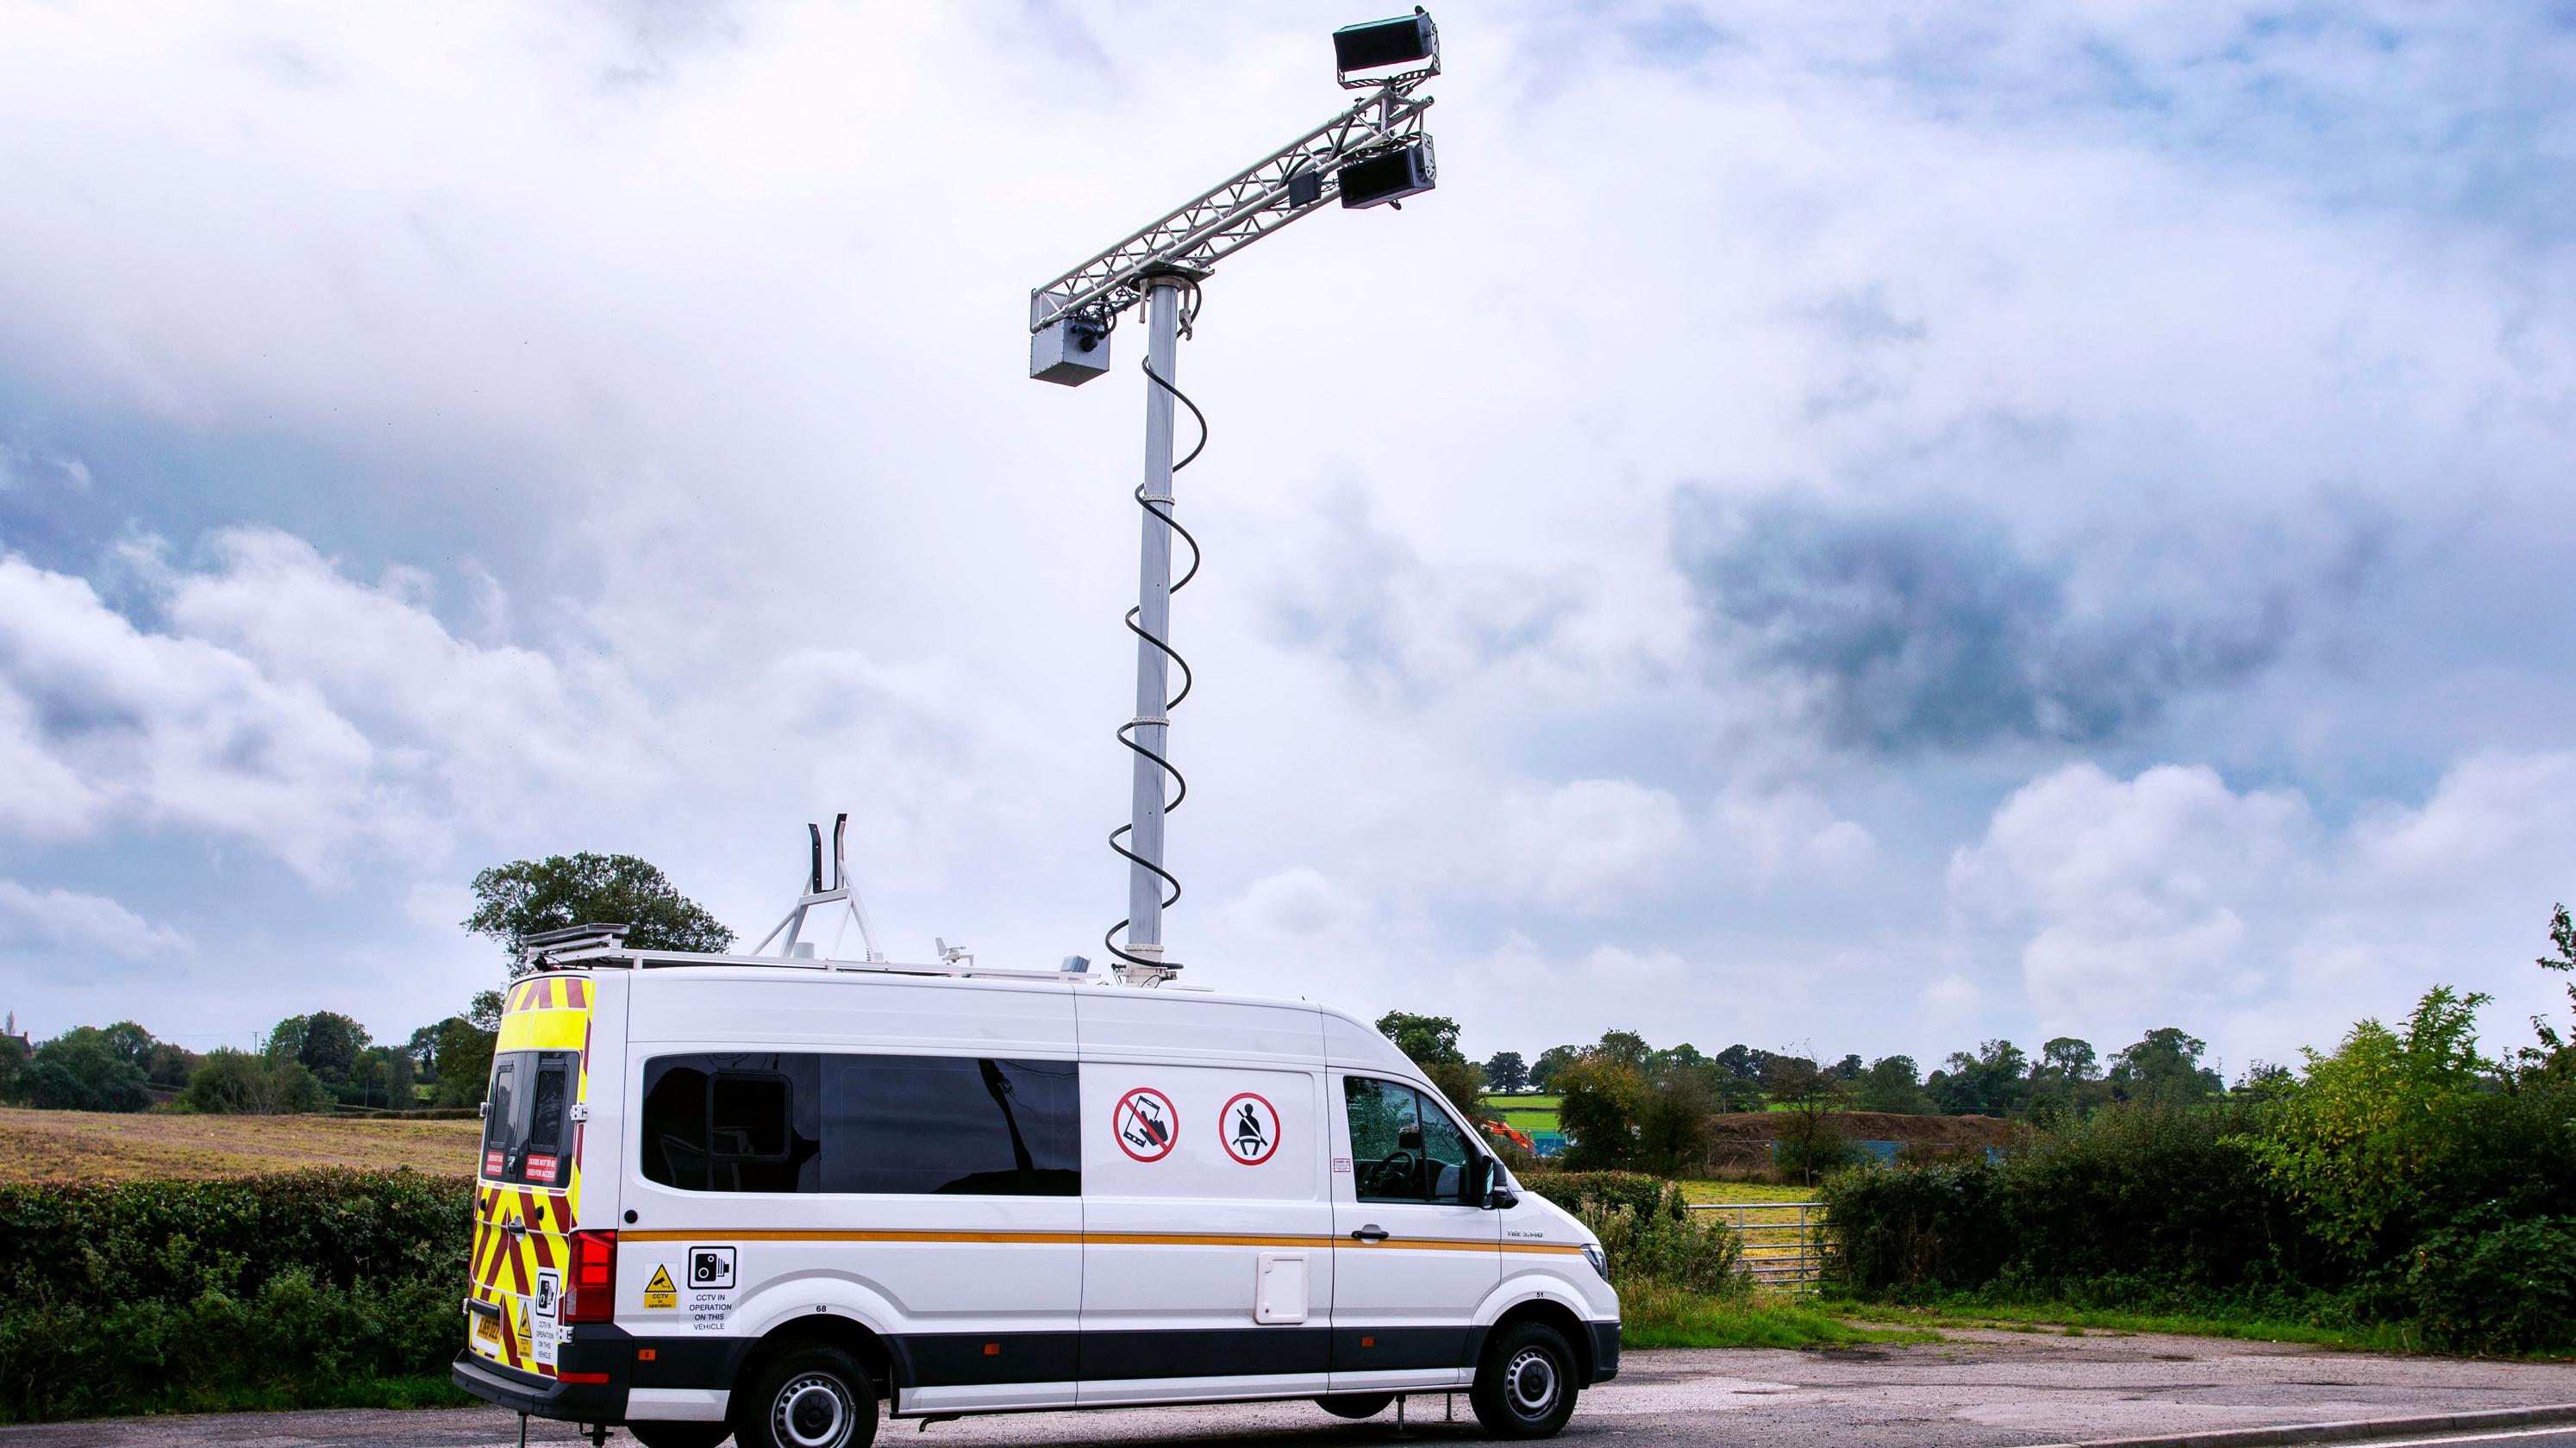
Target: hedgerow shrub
284 1290
1667 1246
2495 1284
1579 1191
2403 1183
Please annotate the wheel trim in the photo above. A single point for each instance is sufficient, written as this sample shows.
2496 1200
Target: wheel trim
1532 1382
812 1411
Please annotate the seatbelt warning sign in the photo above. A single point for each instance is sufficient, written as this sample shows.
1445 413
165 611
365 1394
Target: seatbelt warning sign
660 1292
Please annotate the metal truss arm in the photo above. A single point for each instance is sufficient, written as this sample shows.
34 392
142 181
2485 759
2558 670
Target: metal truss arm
1239 211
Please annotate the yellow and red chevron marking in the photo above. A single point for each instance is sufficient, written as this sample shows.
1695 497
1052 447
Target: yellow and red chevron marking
549 993
506 1263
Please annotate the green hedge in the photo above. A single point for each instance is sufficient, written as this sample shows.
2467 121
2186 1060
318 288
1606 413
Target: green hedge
1582 1191
2170 1210
308 1289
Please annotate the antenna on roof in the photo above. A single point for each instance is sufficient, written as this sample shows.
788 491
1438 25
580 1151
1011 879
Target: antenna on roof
840 893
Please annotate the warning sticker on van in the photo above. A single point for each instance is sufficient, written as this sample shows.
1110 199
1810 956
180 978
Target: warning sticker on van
660 1292
1249 1129
1145 1124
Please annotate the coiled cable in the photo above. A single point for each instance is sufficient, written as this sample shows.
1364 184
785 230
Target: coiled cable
1161 508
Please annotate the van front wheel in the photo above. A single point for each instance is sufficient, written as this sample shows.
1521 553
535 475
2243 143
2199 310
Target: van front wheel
1525 1384
807 1397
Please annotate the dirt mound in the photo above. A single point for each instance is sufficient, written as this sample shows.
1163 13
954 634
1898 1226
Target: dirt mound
1935 1131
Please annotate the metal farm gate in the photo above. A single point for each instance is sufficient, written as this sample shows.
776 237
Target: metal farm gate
1784 1242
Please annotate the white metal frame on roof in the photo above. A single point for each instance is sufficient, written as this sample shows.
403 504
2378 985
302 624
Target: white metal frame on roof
606 952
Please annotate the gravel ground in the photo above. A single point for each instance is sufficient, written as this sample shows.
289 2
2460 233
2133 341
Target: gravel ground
1974 1390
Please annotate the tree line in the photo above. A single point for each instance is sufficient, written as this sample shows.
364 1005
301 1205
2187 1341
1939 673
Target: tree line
326 1059
1997 1079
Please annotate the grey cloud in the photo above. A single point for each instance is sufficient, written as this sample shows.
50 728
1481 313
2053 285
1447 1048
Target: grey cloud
1933 631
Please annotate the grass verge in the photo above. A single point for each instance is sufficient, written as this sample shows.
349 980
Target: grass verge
1703 1190
1653 1316
2075 1321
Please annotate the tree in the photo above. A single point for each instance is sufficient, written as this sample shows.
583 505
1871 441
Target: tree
2365 1132
1603 1099
237 1083
1684 1057
1550 1062
325 1043
131 1042
170 1066
1849 1068
1988 1083
13 1064
464 1060
1739 1077
2554 1055
1807 1096
2265 1081
1892 1083
2063 1078
383 1077
1425 1040
80 1071
2164 1068
1672 1124
1506 1074
1625 1047
423 1051
1431 1042
529 897
2068 1059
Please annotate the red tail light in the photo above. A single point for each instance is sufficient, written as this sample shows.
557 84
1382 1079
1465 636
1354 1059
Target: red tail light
591 1296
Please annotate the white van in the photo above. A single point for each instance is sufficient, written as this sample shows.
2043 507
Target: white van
760 1196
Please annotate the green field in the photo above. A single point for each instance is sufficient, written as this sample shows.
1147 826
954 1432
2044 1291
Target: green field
1529 1113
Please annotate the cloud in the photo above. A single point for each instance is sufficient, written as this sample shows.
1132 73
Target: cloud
1983 388
174 728
1787 830
1929 631
2171 898
1588 846
73 932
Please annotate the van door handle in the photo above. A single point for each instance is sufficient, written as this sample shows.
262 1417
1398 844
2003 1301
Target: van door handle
1370 1233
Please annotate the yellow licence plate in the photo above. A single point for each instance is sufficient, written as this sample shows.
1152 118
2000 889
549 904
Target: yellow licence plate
487 1329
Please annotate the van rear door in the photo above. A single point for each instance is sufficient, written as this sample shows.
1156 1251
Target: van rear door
528 1175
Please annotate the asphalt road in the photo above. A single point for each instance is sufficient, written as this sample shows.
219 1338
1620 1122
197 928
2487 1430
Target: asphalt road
1975 1390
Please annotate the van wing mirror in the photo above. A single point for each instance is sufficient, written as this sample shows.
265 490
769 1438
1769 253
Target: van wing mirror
1485 1185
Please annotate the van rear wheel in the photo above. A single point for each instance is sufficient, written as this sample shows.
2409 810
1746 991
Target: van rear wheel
1355 1405
1525 1384
679 1435
807 1397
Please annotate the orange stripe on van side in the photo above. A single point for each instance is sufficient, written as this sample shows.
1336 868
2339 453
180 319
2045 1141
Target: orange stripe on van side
1098 1239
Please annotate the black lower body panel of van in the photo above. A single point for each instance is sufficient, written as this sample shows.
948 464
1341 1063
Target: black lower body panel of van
1605 1350
540 1397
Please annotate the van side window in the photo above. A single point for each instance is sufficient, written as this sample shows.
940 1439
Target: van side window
959 1125
857 1124
735 1122
1404 1148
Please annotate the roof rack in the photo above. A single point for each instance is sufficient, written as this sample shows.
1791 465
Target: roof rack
548 945
600 950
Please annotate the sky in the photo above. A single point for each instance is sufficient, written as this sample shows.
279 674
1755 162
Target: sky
1837 528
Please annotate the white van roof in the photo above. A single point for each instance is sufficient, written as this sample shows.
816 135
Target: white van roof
1346 1039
